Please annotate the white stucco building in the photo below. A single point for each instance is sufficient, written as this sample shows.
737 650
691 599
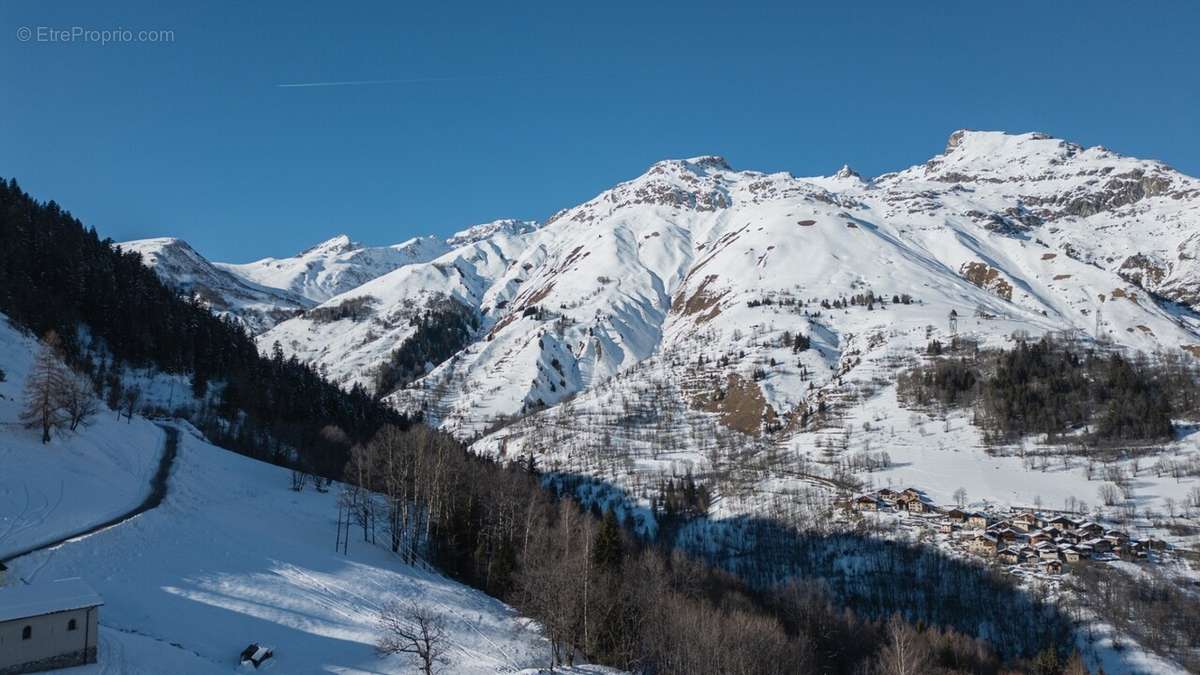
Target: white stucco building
48 626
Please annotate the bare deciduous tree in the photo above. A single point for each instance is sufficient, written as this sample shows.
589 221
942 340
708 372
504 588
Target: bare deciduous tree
133 395
906 652
79 401
960 497
414 629
1109 493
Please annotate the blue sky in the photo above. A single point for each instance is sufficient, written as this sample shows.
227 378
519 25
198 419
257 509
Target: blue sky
520 109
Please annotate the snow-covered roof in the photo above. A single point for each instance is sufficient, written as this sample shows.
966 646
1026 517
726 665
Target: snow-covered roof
19 602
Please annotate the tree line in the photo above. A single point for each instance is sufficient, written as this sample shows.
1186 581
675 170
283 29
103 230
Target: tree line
1053 387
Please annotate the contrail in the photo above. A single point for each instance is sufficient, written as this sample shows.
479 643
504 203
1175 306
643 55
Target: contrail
411 80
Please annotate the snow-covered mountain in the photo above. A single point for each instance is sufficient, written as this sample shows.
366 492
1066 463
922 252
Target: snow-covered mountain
721 269
256 306
262 293
336 265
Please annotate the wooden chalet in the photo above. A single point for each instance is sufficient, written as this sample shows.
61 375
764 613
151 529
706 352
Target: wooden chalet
865 503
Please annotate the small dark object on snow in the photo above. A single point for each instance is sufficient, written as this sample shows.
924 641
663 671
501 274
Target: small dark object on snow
255 654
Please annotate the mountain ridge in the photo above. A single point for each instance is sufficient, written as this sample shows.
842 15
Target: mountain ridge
1036 233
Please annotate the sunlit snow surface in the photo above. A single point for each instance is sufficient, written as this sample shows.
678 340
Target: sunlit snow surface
232 556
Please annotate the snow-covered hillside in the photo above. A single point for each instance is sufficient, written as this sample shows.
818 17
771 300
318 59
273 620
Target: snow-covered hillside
256 306
231 556
36 504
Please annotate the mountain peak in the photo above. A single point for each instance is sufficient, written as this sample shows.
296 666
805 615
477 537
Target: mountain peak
152 248
846 172
699 165
709 162
485 230
992 142
341 242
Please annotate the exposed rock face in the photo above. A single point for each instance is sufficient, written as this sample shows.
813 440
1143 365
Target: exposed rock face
1140 270
987 278
1117 192
954 140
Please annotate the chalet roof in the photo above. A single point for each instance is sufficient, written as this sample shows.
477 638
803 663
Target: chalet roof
19 602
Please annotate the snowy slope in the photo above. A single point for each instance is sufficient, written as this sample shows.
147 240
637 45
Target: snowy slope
257 307
35 504
232 556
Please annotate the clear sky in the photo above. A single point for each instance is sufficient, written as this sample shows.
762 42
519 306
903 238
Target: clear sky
519 109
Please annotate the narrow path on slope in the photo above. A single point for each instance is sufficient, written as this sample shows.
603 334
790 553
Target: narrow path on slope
158 490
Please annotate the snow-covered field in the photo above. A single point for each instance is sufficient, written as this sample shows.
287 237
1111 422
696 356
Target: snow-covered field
232 556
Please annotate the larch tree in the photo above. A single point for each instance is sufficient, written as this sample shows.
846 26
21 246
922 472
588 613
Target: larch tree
45 389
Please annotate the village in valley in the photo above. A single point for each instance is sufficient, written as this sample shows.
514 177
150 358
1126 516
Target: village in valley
1023 541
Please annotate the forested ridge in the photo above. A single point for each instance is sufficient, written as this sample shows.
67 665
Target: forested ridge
57 275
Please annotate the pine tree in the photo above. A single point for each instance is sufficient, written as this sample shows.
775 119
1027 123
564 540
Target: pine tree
607 551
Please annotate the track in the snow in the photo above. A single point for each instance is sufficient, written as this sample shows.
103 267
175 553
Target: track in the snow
158 491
